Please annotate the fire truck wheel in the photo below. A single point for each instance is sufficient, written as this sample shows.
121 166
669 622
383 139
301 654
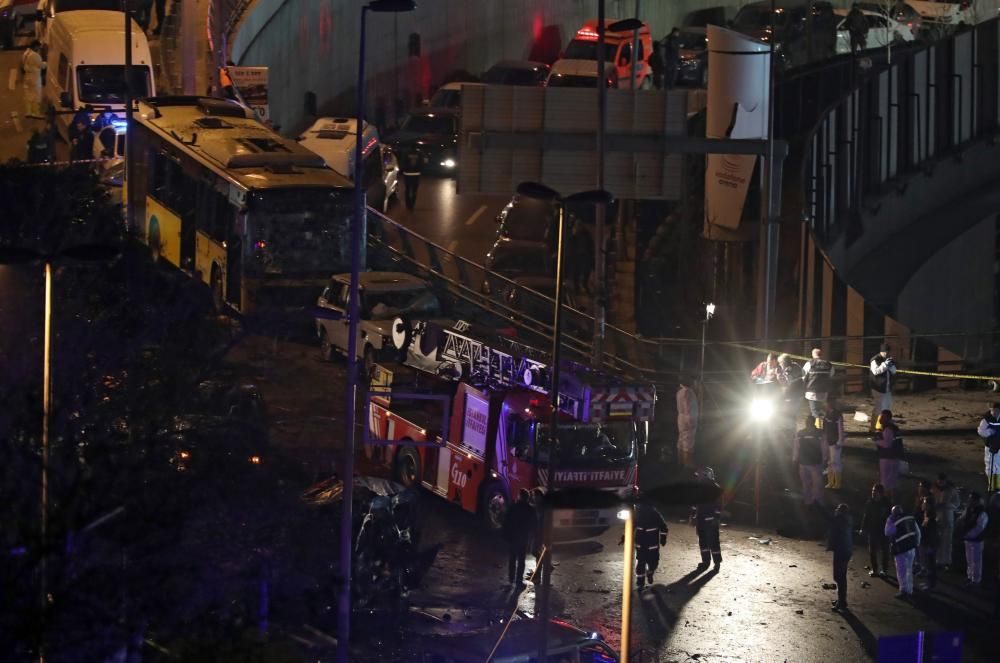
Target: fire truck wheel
408 467
494 504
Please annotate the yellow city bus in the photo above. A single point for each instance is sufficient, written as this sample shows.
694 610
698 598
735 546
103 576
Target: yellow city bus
256 217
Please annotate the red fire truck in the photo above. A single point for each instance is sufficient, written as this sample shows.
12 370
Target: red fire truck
474 429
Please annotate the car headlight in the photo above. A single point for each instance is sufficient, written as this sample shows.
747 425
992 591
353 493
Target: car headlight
448 163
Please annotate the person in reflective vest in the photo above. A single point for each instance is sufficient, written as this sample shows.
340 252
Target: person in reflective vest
818 377
904 538
40 146
834 436
411 165
883 377
650 534
974 523
989 430
706 523
807 453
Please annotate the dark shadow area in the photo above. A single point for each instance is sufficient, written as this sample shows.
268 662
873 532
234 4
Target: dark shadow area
867 638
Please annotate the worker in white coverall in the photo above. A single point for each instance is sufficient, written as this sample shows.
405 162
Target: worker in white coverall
989 430
31 76
687 422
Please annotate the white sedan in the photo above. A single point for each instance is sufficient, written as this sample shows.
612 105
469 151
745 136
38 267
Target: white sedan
385 296
882 31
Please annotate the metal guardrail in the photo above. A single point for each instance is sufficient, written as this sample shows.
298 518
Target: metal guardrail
894 119
524 309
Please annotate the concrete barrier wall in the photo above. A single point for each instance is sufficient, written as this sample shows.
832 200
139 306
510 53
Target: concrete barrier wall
312 46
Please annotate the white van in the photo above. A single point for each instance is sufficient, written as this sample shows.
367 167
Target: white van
86 64
47 9
333 138
580 73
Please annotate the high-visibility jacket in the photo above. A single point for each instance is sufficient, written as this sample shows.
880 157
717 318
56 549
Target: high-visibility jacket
650 532
904 534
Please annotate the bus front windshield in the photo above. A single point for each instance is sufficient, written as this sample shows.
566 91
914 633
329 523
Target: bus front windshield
299 231
105 84
596 444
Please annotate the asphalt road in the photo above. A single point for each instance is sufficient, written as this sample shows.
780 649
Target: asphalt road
464 224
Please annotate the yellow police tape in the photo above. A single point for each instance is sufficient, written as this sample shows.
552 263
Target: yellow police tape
958 376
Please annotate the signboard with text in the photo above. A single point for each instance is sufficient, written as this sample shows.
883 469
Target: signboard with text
252 84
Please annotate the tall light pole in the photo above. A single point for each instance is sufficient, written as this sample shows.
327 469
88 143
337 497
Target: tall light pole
357 239
83 253
129 161
541 192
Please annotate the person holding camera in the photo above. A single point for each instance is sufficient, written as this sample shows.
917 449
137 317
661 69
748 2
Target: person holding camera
883 379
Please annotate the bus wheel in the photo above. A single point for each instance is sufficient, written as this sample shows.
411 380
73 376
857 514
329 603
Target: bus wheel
326 350
408 467
216 284
494 505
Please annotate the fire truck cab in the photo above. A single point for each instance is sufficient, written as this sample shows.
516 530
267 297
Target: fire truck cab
477 444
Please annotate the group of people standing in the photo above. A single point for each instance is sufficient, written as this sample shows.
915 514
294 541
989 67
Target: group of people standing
524 522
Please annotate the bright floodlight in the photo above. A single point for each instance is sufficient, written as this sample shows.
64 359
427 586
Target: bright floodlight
623 514
709 310
761 409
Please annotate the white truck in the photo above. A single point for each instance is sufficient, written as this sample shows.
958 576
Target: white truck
943 18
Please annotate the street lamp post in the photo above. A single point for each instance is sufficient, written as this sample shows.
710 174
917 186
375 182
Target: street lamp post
357 238
541 192
11 256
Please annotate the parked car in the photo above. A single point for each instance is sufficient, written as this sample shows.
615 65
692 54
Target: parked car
333 138
901 11
790 34
528 219
449 96
517 72
434 133
692 46
882 31
617 51
580 73
515 259
384 297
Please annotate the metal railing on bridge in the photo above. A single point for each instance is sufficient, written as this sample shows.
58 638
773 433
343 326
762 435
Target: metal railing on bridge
528 311
893 119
